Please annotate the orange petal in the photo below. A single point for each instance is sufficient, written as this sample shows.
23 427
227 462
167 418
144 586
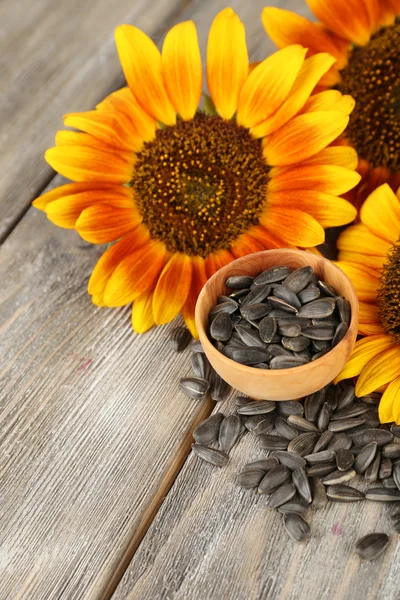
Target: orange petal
172 288
303 136
227 61
365 281
246 245
364 350
65 211
268 85
142 313
310 73
381 369
199 278
347 18
70 189
141 64
330 179
102 223
265 237
381 213
217 260
135 274
294 226
181 68
369 321
114 255
81 163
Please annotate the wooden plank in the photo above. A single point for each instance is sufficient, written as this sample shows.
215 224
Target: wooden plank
56 57
211 539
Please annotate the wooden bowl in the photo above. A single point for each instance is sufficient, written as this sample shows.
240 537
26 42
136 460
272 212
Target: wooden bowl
278 384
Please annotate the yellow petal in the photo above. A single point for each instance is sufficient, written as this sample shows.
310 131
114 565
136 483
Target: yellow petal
364 350
329 100
365 281
381 369
389 405
330 179
358 238
81 163
342 156
181 68
373 262
381 213
227 61
327 209
199 278
268 85
172 288
142 313
102 223
293 226
141 64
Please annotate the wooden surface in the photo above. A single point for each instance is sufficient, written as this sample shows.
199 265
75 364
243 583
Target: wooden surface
94 429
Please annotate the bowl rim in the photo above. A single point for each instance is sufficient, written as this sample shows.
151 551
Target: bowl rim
271 373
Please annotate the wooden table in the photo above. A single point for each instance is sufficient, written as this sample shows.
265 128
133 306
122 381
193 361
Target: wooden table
100 496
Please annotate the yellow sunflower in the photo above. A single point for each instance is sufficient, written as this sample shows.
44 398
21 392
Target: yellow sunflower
364 37
369 253
183 191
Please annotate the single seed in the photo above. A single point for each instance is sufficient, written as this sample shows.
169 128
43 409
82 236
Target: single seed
327 289
219 389
296 527
324 417
313 404
241 401
344 493
298 279
289 329
210 455
274 479
340 332
344 309
273 442
318 493
256 296
238 282
267 329
340 441
207 431
301 424
282 428
365 458
250 478
252 312
344 459
346 397
180 339
221 327
221 299
354 410
250 337
326 437
345 424
238 294
257 407
281 304
249 356
371 474
310 293
372 545
194 387
380 436
252 422
286 362
385 470
277 350
391 450
395 429
319 345
195 346
318 309
281 495
227 307
272 275
200 365
331 398
289 407
297 505
284 293
229 432
266 425
302 484
265 464
297 344
331 321
289 459
338 477
303 444
320 457
382 494
319 333
321 469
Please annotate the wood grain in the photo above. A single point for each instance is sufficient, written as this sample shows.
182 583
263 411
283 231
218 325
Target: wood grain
211 539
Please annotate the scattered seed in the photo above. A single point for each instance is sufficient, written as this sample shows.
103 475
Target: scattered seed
380 436
326 437
313 404
289 407
297 505
180 339
353 410
321 469
372 545
273 442
274 479
207 431
250 478
318 493
338 477
320 457
210 455
345 424
324 417
282 428
365 458
253 422
371 474
229 432
303 444
385 470
291 460
302 484
241 401
281 495
344 459
265 464
344 493
391 450
200 365
219 389
297 528
301 424
257 407
382 494
339 441
194 387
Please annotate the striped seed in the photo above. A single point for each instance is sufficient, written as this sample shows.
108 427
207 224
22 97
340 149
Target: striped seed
282 495
344 459
272 275
257 407
372 545
221 327
289 407
321 469
318 493
229 432
219 389
287 362
210 455
296 527
385 469
256 296
297 505
200 365
267 329
281 305
302 484
318 309
296 344
194 387
391 450
282 428
310 293
207 431
344 310
320 457
250 478
326 437
303 444
298 279
301 424
274 479
382 494
249 356
371 474
344 493
273 442
313 404
284 293
180 339
291 460
265 464
338 477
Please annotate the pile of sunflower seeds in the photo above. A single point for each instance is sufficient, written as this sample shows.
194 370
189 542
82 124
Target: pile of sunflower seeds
313 448
278 320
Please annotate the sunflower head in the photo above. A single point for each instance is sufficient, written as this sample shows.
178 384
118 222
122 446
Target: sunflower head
389 294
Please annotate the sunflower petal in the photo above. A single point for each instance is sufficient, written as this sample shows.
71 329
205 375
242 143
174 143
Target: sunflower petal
359 238
227 61
199 278
347 18
364 351
77 138
217 260
142 313
365 281
330 179
246 245
81 163
389 405
266 238
373 262
268 85
327 209
342 156
172 288
123 101
329 100
294 226
381 213
381 369
369 321
304 136
102 223
141 64
70 189
181 68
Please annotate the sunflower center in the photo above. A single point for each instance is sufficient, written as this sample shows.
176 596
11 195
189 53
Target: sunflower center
200 184
389 294
372 77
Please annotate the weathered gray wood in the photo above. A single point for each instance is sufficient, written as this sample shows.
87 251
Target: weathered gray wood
56 57
211 539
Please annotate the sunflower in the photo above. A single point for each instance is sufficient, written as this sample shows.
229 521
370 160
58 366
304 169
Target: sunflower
364 37
183 190
369 253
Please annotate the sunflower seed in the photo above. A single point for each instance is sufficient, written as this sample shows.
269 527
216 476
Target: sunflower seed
250 355
273 442
195 346
210 455
322 332
282 495
289 329
200 365
257 295
340 332
221 299
396 475
252 312
391 450
221 327
274 479
298 279
344 309
371 474
296 527
338 477
301 424
260 423
180 339
302 484
250 338
372 420
354 410
277 350
250 478
257 407
395 429
283 429
326 288
345 424
284 293
241 401
237 282
373 398
321 469
340 441
310 293
318 493
287 362
219 389
380 436
238 294
294 320
312 404
272 275
261 366
229 432
297 505
194 387
344 459
344 493
385 470
372 545
320 345
207 431
265 464
331 321
303 444
267 329
291 460
382 494
289 407
318 309
365 457
324 440
281 304
235 320
297 344
324 417
346 397
389 483
320 457
223 308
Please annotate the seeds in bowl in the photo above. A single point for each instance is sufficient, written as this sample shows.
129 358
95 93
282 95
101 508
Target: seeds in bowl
280 319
